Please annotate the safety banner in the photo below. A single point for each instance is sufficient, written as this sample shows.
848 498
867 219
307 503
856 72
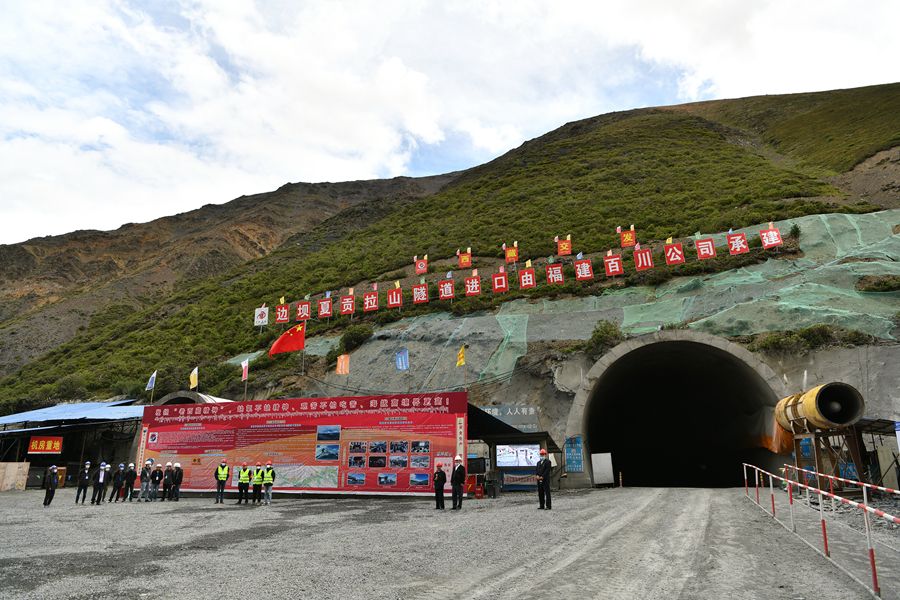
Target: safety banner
45 444
361 444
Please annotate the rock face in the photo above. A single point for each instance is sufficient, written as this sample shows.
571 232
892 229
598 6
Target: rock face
50 287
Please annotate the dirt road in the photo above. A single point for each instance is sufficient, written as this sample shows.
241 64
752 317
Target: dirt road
626 543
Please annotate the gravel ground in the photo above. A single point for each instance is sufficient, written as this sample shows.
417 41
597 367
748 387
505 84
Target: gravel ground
622 543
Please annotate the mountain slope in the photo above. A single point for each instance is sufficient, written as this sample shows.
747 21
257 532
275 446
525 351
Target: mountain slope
669 171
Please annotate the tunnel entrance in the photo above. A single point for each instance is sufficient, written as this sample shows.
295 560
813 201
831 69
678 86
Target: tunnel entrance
680 413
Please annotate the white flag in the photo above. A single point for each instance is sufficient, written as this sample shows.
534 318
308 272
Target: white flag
151 383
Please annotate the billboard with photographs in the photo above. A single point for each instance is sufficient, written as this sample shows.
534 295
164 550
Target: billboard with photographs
361 444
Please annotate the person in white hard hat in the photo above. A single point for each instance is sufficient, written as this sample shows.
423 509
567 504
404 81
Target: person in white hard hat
177 478
457 480
118 481
51 483
101 480
542 472
130 477
146 475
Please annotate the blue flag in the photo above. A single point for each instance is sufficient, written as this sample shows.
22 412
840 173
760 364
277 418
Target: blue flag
402 359
579 256
151 383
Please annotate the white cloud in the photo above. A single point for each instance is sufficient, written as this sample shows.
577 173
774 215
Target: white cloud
109 114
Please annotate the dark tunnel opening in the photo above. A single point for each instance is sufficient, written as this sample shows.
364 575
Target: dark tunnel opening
680 414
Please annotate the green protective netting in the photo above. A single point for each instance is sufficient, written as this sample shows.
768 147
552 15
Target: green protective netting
513 346
818 287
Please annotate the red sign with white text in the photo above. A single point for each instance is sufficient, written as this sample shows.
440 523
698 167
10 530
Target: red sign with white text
348 305
770 238
303 311
370 301
282 313
526 279
706 248
737 243
613 265
473 286
395 298
325 307
420 293
584 270
364 444
445 289
555 274
44 444
499 283
674 254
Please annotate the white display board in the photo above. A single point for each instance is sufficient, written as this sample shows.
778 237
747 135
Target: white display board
601 464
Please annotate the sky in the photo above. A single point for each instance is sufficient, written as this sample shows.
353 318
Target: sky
114 112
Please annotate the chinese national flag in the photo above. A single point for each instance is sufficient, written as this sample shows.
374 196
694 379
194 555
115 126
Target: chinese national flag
290 341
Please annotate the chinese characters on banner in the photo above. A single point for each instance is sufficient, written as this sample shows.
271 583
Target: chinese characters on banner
370 301
45 445
446 289
376 444
420 293
325 307
303 311
555 274
395 298
674 254
499 283
584 271
643 259
526 279
737 243
348 305
706 248
282 313
613 265
473 286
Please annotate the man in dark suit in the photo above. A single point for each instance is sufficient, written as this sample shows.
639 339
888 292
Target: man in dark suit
52 482
542 471
440 479
457 480
84 480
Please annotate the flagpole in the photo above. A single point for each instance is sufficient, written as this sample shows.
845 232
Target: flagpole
245 389
302 362
153 389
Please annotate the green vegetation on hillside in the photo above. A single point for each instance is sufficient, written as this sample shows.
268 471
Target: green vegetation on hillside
668 172
835 130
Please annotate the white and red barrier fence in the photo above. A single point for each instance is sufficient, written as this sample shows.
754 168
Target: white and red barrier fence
760 474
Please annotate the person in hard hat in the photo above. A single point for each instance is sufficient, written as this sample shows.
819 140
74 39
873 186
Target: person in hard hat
101 480
146 474
167 482
118 481
542 472
440 480
457 480
51 482
177 478
130 477
244 475
221 475
84 480
156 478
268 482
257 483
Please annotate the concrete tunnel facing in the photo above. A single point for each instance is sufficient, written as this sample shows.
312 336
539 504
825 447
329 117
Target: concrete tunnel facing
680 413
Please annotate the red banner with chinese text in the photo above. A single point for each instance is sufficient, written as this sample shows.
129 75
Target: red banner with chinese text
364 444
43 444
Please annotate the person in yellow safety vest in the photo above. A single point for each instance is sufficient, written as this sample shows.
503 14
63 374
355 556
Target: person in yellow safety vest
268 481
244 484
257 483
221 473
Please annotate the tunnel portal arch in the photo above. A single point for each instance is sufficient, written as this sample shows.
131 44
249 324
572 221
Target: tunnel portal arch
678 408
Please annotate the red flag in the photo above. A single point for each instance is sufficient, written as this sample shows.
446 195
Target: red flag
290 341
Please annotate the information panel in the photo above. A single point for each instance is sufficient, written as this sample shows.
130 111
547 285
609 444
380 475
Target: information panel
359 444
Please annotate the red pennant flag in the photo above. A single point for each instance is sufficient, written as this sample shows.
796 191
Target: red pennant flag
290 341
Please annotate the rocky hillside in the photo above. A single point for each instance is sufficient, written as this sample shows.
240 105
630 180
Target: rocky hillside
92 313
51 288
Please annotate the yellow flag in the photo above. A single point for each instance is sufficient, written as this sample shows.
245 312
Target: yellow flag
668 240
350 293
569 237
281 300
461 357
397 284
528 264
195 377
426 257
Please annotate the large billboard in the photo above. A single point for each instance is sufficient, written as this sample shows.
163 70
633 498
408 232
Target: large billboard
361 444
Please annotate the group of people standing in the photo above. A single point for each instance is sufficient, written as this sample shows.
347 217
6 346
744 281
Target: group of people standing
262 479
457 480
122 481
